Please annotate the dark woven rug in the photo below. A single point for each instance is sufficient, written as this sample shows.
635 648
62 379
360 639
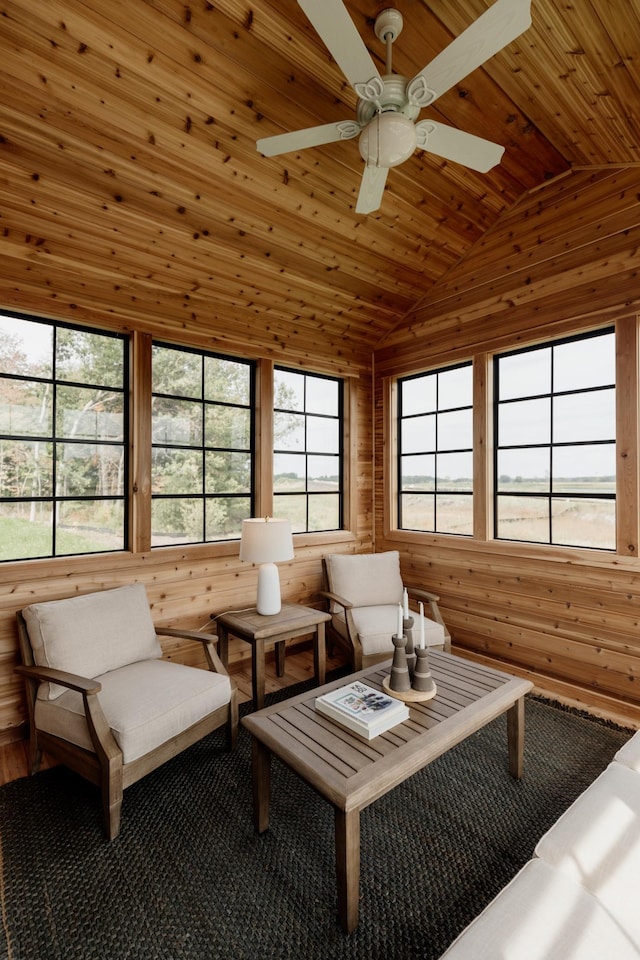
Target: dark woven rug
189 878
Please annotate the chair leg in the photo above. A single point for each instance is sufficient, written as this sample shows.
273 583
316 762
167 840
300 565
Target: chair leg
35 753
112 789
232 723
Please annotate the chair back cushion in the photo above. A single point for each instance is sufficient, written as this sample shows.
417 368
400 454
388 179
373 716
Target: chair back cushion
366 579
92 634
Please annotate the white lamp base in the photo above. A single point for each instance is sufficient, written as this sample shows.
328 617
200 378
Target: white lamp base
268 601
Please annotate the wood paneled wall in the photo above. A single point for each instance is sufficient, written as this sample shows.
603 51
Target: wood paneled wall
188 585
564 260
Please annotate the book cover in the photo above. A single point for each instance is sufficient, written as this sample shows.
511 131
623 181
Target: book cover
362 709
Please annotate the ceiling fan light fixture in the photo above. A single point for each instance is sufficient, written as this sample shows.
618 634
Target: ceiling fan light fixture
388 140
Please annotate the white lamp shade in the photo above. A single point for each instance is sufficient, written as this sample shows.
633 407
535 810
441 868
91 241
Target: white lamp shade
266 540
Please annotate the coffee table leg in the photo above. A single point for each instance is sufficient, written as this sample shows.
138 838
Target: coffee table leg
280 654
347 829
320 655
515 738
261 785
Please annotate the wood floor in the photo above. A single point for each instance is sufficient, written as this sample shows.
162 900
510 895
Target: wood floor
298 667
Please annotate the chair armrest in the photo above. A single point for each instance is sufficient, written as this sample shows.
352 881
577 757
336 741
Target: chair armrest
424 595
71 680
206 639
336 598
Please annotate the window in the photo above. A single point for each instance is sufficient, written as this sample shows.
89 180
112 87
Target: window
63 440
202 446
307 460
435 451
555 453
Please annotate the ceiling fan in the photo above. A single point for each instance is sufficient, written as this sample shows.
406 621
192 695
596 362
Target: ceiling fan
389 105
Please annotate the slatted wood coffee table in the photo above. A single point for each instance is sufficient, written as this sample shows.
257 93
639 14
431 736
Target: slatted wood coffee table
351 772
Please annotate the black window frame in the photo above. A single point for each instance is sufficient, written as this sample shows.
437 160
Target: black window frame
307 493
550 496
54 439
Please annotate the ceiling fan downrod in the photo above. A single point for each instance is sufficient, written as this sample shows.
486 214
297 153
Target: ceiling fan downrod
388 27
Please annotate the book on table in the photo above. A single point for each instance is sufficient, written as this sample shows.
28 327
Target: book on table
363 709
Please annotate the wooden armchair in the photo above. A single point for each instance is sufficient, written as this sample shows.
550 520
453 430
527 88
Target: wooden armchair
364 591
103 702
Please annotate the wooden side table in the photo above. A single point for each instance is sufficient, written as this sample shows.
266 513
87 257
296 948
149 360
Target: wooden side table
292 621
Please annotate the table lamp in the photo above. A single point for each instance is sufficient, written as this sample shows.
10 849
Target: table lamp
266 541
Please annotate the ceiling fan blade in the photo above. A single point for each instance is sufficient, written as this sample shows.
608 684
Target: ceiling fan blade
311 137
338 32
371 188
456 145
492 31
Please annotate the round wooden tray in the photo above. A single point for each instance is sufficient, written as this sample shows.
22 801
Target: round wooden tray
409 696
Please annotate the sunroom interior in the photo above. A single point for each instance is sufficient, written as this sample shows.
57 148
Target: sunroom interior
136 208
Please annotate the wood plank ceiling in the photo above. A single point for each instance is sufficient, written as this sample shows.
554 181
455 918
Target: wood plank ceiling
131 188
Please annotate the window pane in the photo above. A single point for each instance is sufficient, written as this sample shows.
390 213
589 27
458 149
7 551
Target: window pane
585 416
87 414
26 468
26 408
227 427
176 372
585 469
522 518
322 396
527 469
455 470
524 422
455 514
525 374
89 358
176 421
323 473
89 526
418 511
455 430
227 472
176 471
293 508
26 347
584 523
224 517
176 520
584 363
227 381
323 435
324 511
418 434
89 469
27 530
418 472
289 471
288 431
418 395
455 388
288 390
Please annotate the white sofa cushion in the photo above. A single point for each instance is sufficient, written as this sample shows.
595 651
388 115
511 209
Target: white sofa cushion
92 634
145 704
596 842
376 625
542 914
366 579
629 754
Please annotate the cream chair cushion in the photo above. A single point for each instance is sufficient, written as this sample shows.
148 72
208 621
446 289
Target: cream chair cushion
629 754
376 625
542 915
596 842
145 704
92 634
366 579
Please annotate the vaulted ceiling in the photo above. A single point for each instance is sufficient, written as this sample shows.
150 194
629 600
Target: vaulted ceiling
131 187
